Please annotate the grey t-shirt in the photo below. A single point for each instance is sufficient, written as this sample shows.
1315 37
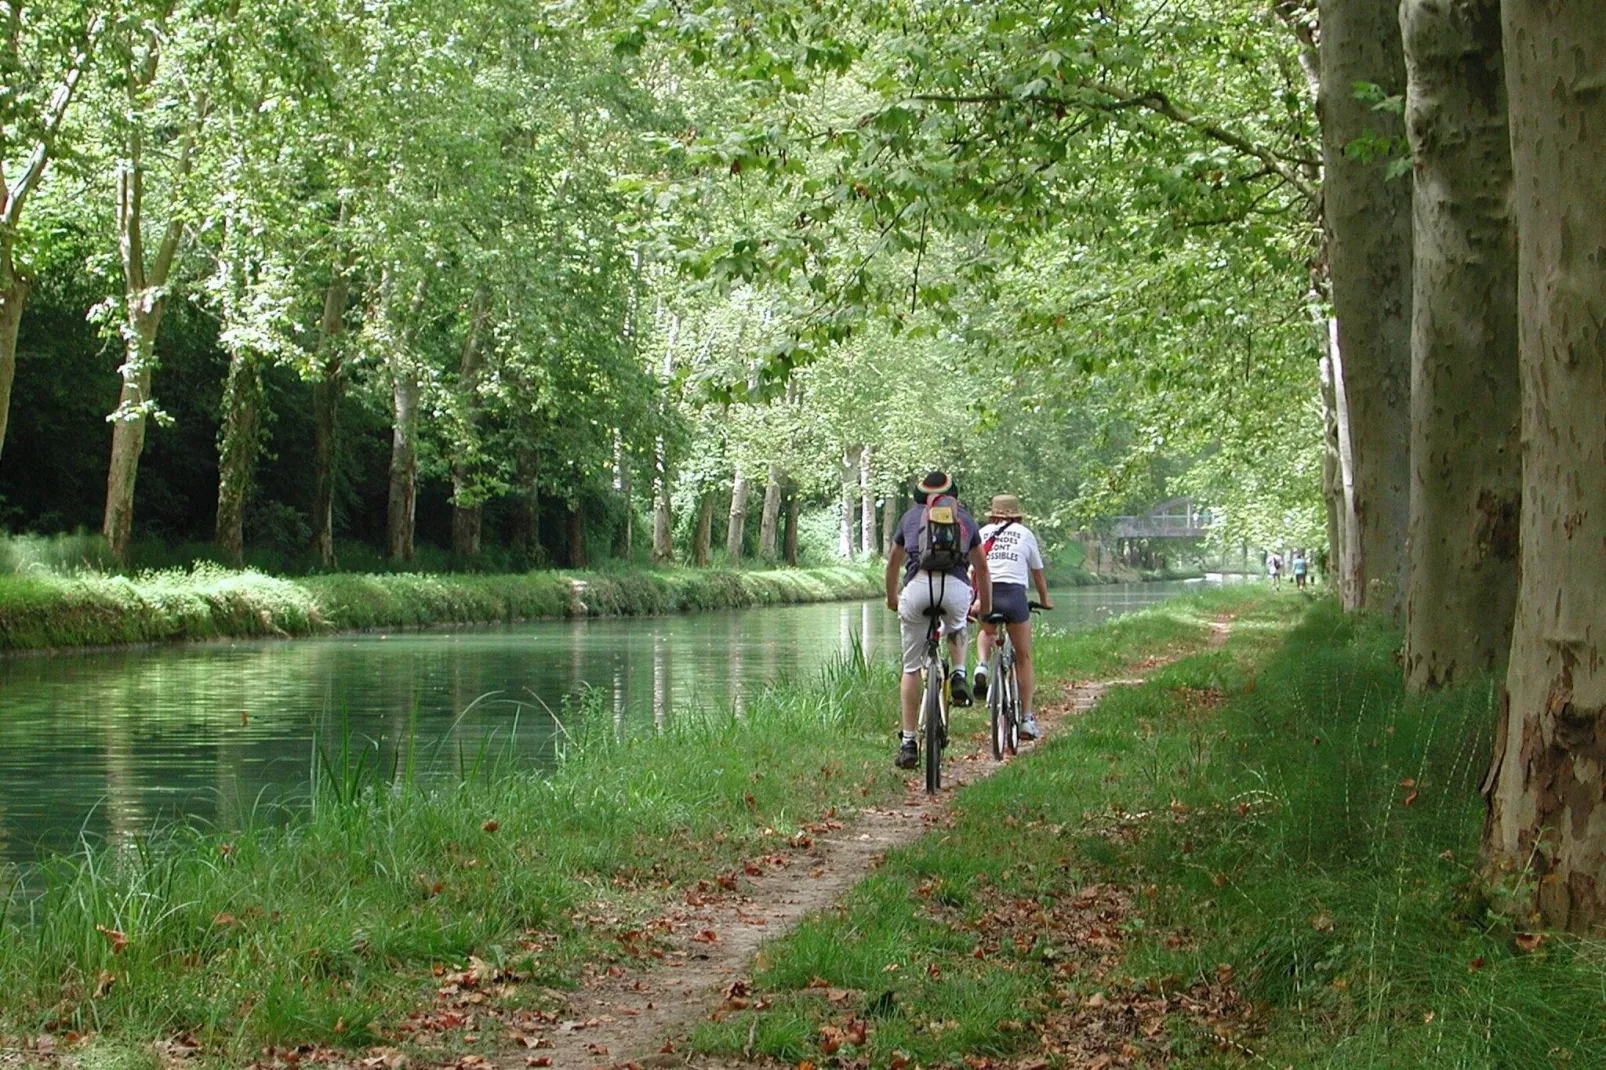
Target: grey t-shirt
908 537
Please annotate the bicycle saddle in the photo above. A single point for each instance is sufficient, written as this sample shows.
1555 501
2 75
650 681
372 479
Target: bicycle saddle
995 618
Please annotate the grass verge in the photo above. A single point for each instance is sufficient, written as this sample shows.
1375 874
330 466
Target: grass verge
1267 855
48 611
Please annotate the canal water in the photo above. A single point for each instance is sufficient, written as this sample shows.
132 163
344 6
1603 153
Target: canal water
106 746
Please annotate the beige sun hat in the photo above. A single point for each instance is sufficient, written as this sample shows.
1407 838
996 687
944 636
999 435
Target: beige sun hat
1005 507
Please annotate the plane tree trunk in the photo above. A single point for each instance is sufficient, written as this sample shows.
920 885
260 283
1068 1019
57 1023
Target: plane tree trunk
1547 785
769 520
1369 261
1465 400
736 530
468 511
402 502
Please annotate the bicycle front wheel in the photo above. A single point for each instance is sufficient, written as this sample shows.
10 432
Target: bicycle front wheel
934 716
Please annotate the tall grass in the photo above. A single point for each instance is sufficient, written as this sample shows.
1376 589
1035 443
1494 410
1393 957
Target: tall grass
41 609
1334 860
325 928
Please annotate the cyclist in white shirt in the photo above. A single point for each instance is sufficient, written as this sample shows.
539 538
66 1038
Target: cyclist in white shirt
1013 559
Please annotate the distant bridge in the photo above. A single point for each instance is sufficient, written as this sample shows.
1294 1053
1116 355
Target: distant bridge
1178 518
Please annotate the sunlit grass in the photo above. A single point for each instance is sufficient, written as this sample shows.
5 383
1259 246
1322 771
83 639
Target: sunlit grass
42 608
325 928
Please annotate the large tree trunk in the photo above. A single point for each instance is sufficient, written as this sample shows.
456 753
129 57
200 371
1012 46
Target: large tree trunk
769 520
13 296
327 390
240 440
890 515
1465 411
703 533
736 530
789 542
128 426
1547 814
850 497
1369 225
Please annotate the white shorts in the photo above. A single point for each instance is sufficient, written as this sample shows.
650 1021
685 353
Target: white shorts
924 590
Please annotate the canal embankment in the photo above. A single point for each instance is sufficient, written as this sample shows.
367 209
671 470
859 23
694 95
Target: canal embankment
51 611
350 922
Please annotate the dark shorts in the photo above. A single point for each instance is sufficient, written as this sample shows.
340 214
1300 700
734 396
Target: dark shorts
1010 600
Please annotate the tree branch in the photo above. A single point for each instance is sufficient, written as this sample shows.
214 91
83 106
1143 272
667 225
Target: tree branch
55 115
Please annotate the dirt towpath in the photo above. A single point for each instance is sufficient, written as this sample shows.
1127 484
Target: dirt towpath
638 1016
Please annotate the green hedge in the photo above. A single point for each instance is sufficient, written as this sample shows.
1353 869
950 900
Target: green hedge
44 611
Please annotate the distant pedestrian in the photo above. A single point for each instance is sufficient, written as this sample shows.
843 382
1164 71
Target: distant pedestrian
1301 567
1274 568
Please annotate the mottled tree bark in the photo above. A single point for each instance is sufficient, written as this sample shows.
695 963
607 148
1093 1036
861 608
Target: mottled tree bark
789 542
128 422
1465 409
891 513
663 521
239 442
736 530
1369 260
769 519
703 532
13 296
1547 813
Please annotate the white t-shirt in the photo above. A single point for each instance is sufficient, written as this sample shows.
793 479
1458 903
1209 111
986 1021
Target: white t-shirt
1014 552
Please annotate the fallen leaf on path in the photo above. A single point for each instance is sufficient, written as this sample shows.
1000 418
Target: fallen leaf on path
707 936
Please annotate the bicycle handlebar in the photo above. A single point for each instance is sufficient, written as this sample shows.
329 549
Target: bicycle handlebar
1038 607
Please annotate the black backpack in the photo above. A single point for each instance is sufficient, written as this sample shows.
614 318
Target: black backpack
941 545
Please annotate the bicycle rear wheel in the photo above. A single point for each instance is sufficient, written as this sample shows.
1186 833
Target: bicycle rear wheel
996 727
1012 707
934 717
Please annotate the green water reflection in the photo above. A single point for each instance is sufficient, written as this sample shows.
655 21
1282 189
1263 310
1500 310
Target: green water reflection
108 745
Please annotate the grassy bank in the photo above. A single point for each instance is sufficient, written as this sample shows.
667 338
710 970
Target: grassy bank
48 610
329 929
1265 856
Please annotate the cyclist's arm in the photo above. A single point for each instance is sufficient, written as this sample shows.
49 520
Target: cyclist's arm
984 581
894 566
1040 581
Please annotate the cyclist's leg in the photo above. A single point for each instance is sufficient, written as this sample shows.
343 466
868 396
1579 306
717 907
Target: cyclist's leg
912 624
955 595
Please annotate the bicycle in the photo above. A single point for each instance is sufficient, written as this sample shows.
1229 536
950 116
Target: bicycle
1003 691
934 705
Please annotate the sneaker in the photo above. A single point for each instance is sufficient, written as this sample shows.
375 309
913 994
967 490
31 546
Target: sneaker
980 686
958 690
908 755
1028 727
